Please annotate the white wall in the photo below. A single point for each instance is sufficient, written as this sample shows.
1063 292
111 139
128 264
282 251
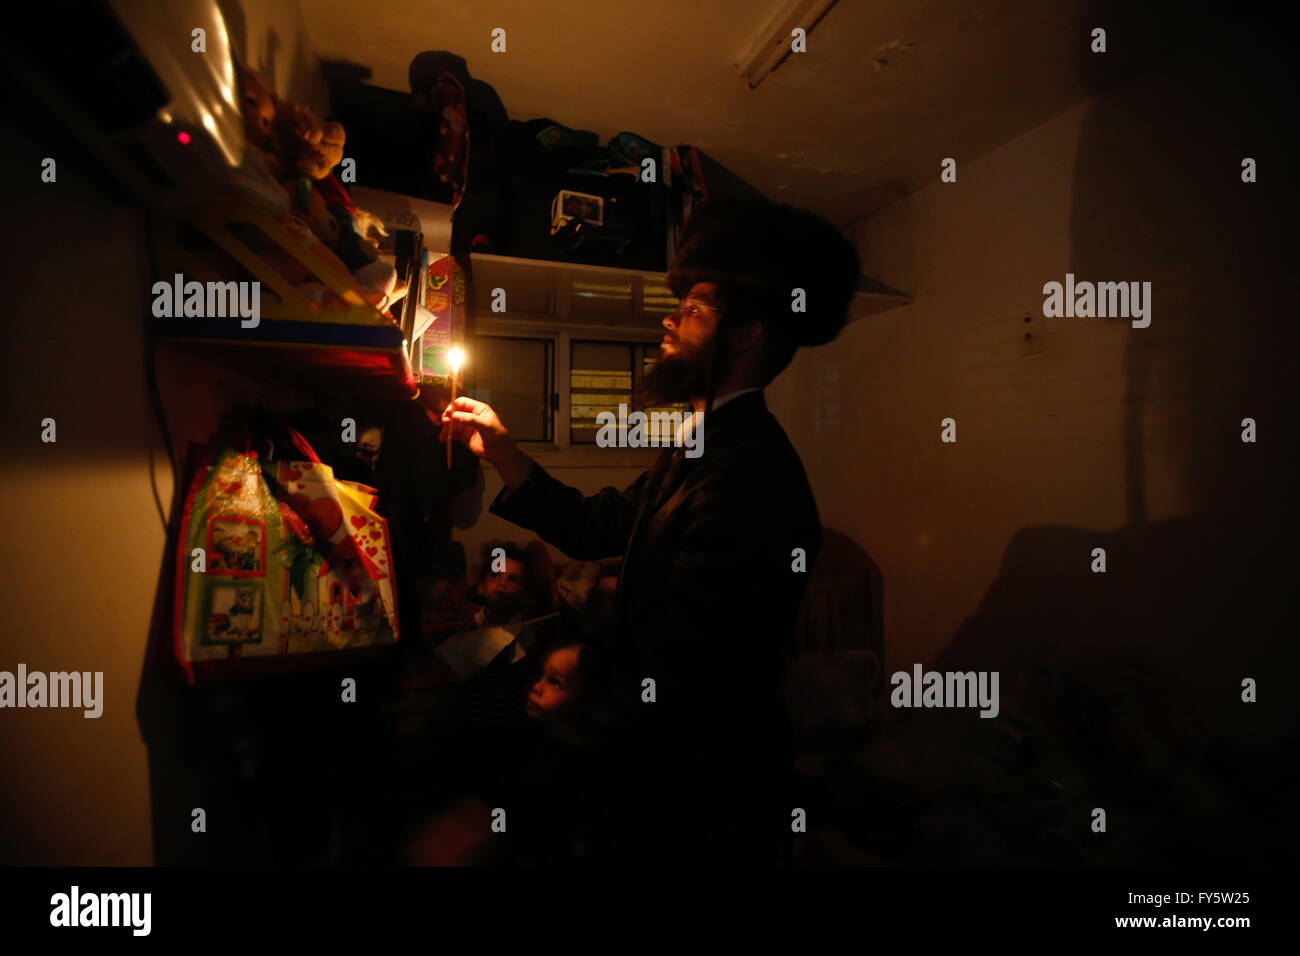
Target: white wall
271 38
1111 429
87 541
86 538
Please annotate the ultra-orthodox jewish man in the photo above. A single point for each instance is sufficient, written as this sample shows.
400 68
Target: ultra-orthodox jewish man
715 546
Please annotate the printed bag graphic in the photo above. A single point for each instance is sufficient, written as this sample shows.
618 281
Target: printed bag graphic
296 563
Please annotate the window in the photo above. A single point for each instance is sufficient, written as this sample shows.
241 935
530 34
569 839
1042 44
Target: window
604 375
573 342
603 295
514 376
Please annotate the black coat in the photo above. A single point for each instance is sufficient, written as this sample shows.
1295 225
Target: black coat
707 602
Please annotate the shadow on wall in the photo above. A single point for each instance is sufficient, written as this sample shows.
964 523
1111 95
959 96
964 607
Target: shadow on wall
260 48
1123 690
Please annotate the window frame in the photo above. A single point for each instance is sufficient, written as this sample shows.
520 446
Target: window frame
548 385
559 451
561 326
637 353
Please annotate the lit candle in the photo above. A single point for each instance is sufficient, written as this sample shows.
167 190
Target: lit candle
454 358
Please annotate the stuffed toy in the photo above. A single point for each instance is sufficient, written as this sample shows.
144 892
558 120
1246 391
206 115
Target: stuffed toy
309 150
297 132
330 149
367 221
336 231
354 248
300 150
307 202
298 135
308 146
259 114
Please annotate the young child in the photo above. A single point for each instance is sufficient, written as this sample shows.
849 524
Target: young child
559 687
557 794
552 716
539 772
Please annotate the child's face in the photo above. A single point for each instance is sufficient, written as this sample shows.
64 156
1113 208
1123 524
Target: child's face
504 588
559 685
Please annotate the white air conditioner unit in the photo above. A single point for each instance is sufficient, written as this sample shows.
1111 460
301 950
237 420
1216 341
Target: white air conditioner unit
123 77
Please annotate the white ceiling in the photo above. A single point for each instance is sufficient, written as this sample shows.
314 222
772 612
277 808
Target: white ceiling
886 90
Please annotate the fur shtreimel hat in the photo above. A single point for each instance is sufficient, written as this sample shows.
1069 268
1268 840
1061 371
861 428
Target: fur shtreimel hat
766 245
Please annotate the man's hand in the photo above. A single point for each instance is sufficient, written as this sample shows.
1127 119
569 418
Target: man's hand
478 427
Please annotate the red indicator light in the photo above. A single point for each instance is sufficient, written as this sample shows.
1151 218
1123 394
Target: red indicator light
183 138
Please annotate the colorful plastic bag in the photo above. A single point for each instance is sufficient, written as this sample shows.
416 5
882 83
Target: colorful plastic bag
281 566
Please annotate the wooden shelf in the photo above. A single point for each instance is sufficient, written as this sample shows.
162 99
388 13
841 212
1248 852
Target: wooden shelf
351 349
333 358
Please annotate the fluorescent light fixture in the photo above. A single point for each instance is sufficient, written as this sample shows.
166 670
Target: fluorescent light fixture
773 44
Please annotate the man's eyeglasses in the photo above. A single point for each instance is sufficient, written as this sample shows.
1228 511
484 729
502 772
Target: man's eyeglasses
688 308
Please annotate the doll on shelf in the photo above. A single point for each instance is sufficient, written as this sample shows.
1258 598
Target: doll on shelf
289 153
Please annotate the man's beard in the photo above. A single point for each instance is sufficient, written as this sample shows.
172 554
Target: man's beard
678 378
